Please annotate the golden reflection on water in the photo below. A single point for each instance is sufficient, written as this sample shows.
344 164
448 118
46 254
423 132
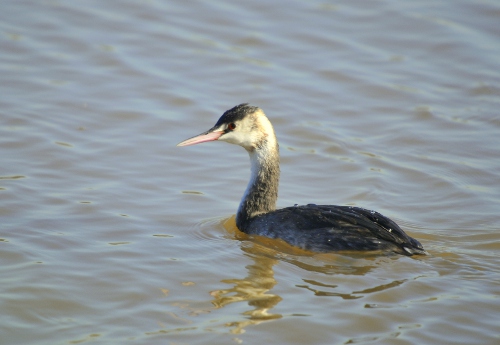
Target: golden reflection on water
252 289
253 293
253 296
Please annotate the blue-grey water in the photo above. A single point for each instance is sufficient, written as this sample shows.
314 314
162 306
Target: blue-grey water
110 234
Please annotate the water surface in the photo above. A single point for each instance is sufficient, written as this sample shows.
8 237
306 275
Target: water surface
110 234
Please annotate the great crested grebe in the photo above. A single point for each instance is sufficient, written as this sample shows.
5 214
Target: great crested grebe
318 228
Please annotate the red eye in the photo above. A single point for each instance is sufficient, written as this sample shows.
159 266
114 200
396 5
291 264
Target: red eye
231 126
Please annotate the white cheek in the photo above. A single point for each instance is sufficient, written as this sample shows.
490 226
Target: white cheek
237 138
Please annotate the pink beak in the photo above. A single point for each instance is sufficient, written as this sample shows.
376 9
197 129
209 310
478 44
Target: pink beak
204 137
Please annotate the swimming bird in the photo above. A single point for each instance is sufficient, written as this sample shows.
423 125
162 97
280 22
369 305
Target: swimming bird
317 228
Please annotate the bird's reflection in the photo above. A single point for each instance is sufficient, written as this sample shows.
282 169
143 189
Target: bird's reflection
256 286
254 289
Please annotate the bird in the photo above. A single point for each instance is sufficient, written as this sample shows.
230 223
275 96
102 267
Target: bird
311 227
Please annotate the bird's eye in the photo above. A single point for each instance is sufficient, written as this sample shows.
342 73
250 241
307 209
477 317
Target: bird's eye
231 126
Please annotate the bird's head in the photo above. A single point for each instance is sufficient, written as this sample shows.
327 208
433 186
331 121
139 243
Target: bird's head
243 125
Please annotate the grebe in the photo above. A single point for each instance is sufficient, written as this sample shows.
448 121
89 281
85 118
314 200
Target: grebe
318 228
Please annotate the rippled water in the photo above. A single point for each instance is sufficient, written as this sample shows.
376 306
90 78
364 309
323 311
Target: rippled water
110 234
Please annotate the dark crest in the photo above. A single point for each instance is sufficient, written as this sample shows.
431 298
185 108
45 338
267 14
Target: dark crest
237 113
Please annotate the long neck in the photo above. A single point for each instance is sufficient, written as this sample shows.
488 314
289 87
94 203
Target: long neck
262 190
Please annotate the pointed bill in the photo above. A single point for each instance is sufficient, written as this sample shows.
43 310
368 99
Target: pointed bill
202 138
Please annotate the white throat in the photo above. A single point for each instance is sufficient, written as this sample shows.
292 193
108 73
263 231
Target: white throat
261 193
